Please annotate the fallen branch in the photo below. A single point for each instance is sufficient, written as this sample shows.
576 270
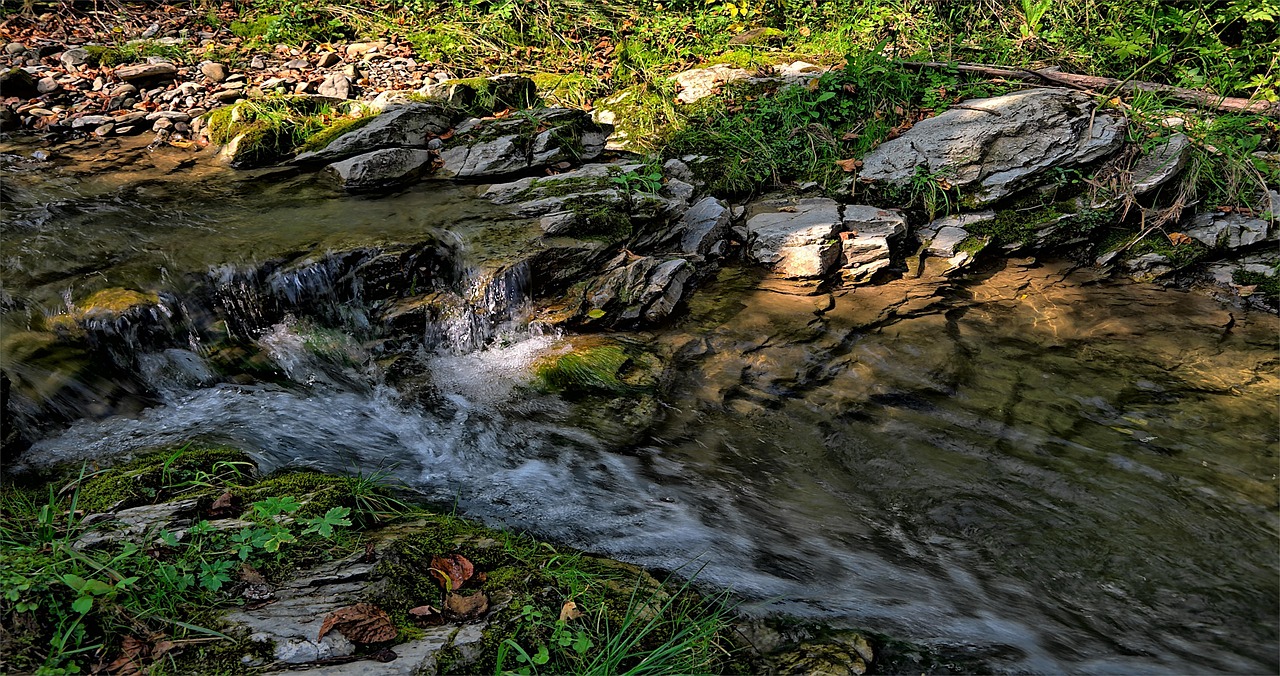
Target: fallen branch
1089 82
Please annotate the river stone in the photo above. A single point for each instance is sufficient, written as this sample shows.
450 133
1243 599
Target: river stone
382 168
409 126
869 234
699 83
145 72
798 240
47 85
216 72
336 85
993 148
74 57
91 121
519 143
1161 164
18 82
1229 231
326 59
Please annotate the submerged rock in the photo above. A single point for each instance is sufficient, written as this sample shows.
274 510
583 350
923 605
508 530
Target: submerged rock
993 148
637 292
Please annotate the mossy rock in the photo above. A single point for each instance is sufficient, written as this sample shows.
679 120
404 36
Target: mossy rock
326 136
107 305
487 95
565 90
598 366
644 117
161 475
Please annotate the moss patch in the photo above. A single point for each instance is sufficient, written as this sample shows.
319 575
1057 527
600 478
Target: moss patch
163 475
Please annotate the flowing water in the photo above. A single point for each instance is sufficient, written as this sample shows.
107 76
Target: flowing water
1050 471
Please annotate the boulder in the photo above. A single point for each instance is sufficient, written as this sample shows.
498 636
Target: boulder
382 168
992 148
519 143
147 72
798 239
408 126
868 238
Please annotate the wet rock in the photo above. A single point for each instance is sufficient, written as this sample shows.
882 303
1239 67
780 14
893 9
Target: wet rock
9 120
1229 231
382 168
797 238
520 143
637 290
1157 167
18 82
993 148
47 85
409 126
703 226
147 72
216 72
1147 266
488 94
336 85
868 237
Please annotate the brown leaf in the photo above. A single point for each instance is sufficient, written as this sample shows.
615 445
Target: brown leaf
467 607
848 165
569 611
361 623
1179 238
251 575
451 571
851 136
223 506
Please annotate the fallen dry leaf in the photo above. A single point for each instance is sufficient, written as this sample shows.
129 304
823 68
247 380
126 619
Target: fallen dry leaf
361 623
569 611
1179 238
848 165
451 571
132 652
223 506
467 607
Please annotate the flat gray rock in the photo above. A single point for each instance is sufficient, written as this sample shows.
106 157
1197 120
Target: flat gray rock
993 148
1157 167
798 240
1228 231
869 234
382 168
522 142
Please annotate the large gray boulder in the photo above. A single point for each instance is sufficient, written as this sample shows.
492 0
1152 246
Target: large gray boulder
797 238
522 142
382 168
992 148
408 126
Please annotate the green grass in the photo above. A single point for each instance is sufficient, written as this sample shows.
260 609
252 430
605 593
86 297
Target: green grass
66 607
276 127
135 51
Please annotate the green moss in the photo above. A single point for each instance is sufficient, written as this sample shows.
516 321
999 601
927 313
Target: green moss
327 135
598 367
263 131
134 51
566 90
644 117
1179 255
255 28
1268 286
161 475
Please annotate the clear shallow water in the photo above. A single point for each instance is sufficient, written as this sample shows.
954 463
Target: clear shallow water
1059 473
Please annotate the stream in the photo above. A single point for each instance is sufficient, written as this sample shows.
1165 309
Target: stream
1037 467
